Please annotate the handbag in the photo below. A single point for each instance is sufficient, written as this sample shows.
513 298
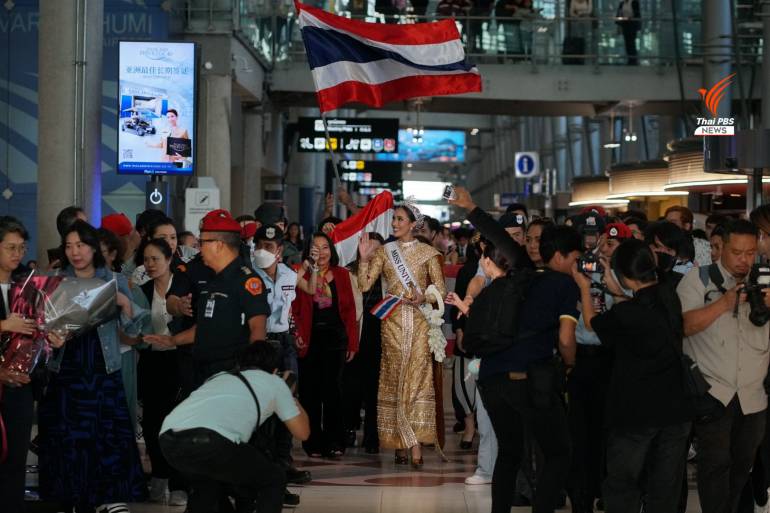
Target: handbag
695 385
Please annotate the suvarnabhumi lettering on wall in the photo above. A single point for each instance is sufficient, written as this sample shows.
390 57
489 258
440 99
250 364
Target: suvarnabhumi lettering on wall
156 108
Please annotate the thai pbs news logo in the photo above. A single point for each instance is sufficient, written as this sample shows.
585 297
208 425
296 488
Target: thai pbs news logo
711 97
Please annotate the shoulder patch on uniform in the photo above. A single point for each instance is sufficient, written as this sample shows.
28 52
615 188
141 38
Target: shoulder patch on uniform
253 286
246 270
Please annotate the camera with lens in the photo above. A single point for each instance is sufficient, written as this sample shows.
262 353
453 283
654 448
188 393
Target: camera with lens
758 280
589 263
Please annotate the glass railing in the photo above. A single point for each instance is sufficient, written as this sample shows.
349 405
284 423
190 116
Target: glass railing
270 27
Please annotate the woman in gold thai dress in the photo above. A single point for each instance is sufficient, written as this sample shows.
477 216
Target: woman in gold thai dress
406 402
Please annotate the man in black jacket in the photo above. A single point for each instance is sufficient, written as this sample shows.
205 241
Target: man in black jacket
517 383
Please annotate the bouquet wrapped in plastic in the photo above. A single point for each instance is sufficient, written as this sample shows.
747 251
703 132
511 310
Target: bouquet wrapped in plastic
56 304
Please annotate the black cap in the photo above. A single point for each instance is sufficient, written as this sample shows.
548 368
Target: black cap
269 232
269 213
591 222
511 220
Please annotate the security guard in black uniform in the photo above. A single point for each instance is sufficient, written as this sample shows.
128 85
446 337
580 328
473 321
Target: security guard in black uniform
232 309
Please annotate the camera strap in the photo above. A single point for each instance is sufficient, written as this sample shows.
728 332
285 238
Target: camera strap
240 376
712 273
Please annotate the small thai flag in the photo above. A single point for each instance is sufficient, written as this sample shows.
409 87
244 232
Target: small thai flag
386 307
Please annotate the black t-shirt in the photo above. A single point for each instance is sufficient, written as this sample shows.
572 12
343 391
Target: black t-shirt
646 387
551 297
226 303
328 328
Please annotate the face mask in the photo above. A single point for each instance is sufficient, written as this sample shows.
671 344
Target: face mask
263 258
682 267
665 261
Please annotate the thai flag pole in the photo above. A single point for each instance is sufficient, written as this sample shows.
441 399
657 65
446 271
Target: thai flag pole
335 160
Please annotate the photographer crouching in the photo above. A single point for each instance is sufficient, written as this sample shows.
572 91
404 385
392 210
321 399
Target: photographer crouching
213 438
648 412
725 322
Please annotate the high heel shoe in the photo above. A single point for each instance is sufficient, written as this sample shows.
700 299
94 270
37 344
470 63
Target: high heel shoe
466 445
402 458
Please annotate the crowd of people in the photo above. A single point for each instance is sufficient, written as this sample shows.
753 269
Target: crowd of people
593 358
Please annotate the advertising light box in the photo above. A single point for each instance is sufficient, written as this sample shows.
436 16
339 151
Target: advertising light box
428 146
157 88
348 135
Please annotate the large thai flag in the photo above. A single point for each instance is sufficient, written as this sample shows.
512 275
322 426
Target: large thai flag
376 216
374 63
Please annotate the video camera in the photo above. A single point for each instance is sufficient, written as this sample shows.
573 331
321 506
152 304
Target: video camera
758 280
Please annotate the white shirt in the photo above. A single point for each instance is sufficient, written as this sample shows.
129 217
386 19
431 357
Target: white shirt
279 296
159 316
6 288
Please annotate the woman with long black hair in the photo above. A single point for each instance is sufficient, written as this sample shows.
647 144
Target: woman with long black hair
158 371
648 413
325 309
88 453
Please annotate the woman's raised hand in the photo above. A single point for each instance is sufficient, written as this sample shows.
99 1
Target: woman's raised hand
366 247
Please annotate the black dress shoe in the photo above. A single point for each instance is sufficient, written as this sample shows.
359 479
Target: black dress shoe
297 476
290 500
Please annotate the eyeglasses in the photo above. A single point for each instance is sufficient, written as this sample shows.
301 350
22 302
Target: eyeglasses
203 241
15 248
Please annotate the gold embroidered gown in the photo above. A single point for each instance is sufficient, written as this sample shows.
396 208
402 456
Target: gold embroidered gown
406 402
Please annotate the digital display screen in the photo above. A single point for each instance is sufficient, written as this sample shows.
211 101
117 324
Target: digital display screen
427 145
367 177
348 135
157 88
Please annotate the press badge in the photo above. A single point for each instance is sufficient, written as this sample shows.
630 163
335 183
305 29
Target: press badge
209 312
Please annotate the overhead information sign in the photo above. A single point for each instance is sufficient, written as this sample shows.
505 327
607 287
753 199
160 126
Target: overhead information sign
348 135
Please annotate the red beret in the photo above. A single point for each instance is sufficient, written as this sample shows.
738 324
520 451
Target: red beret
618 231
219 221
118 224
248 231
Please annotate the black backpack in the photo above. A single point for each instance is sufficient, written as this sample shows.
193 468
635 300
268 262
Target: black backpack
493 322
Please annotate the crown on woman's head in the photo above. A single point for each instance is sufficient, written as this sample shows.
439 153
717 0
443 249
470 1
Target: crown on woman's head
410 203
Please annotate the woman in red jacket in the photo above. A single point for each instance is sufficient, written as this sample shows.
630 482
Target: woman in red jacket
327 337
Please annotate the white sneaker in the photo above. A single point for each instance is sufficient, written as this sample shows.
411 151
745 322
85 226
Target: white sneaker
178 498
476 479
158 490
118 507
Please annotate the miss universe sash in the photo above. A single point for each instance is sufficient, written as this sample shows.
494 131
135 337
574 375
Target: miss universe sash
399 264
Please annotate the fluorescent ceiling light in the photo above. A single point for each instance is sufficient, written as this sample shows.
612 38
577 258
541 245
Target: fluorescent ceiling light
698 183
610 202
611 145
647 193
